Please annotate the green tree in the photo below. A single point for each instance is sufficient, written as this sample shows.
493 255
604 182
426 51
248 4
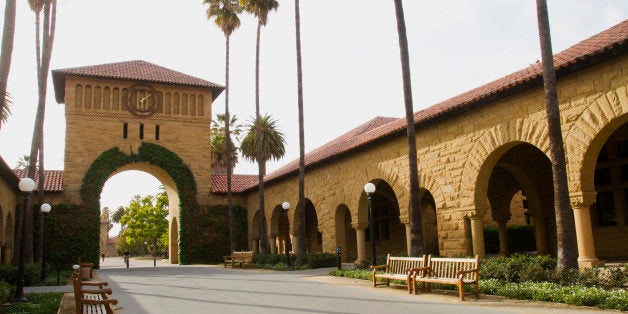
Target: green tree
218 143
5 112
300 249
23 162
272 139
105 214
145 221
260 8
225 15
565 225
6 52
117 215
416 225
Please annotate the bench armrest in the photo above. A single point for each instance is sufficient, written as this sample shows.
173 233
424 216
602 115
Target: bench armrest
414 271
464 272
376 267
99 284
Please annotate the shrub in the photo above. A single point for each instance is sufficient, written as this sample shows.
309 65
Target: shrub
304 261
32 273
520 239
518 268
5 291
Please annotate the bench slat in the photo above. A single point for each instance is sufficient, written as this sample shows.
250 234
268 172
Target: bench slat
446 271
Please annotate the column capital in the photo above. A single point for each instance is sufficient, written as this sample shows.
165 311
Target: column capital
359 225
582 199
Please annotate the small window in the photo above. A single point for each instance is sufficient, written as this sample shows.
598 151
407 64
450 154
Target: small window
157 133
141 131
125 130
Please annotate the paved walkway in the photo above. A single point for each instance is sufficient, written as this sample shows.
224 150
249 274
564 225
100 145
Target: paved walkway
167 288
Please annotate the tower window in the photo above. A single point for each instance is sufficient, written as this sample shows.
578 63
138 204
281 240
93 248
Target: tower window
141 131
125 130
157 132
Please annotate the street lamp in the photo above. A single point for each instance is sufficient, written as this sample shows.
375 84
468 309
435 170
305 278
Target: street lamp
286 207
45 209
369 188
26 185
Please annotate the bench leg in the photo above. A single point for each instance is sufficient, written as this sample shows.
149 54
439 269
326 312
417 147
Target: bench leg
477 290
374 281
461 290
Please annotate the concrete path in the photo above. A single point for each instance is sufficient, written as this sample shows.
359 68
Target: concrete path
166 288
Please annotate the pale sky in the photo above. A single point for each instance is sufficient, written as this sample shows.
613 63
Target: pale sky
351 67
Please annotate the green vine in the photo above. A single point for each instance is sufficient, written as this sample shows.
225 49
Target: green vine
190 250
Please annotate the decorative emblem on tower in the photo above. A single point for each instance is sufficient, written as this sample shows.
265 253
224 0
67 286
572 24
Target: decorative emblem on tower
142 100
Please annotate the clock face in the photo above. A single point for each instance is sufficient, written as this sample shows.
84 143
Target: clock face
142 100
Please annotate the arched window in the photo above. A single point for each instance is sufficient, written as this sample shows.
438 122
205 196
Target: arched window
78 97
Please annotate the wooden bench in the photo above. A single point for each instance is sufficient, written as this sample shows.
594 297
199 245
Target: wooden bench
241 258
451 271
397 268
95 300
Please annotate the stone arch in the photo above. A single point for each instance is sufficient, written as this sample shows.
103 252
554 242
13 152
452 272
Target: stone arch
165 166
487 149
390 233
588 134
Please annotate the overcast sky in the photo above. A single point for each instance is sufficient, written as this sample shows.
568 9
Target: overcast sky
351 67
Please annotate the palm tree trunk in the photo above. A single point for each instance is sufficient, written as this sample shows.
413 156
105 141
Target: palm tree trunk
301 205
258 130
232 235
6 51
565 225
416 225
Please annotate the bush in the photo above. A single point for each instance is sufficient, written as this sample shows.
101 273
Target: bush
32 274
305 261
5 291
518 268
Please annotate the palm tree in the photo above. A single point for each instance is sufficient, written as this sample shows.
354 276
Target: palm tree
225 15
43 54
565 225
5 112
300 249
218 143
416 226
260 8
272 140
6 51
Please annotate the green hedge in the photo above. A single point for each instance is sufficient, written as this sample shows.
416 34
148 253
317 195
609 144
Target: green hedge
520 239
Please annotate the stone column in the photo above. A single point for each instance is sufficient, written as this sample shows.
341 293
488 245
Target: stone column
295 244
477 235
540 234
360 235
584 230
254 245
406 222
502 229
272 243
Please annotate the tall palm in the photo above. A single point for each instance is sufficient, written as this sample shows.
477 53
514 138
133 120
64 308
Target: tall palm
300 249
6 51
219 142
5 112
260 8
43 45
225 15
416 226
565 225
272 142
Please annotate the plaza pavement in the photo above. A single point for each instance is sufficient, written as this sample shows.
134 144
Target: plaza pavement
170 289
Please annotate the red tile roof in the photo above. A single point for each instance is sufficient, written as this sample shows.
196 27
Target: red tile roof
53 179
136 70
239 183
603 46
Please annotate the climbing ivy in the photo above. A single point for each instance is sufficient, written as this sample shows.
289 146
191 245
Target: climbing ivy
112 159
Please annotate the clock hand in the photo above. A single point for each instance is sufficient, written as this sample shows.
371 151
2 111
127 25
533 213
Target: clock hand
143 99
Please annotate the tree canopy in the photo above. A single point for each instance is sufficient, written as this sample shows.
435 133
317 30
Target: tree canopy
144 222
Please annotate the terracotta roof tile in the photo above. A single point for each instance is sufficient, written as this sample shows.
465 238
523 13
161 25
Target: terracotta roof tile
53 179
602 46
238 183
136 70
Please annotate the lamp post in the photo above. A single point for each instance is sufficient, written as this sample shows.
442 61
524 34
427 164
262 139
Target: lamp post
369 188
45 209
26 185
286 207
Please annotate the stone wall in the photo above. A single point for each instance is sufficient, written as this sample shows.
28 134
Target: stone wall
8 201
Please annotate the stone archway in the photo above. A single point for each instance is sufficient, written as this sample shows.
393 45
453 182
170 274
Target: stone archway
389 232
345 234
430 223
174 242
166 167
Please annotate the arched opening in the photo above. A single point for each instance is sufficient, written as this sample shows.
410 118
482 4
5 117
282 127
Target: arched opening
609 213
345 234
146 180
430 224
521 199
313 238
255 229
279 228
174 242
390 234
